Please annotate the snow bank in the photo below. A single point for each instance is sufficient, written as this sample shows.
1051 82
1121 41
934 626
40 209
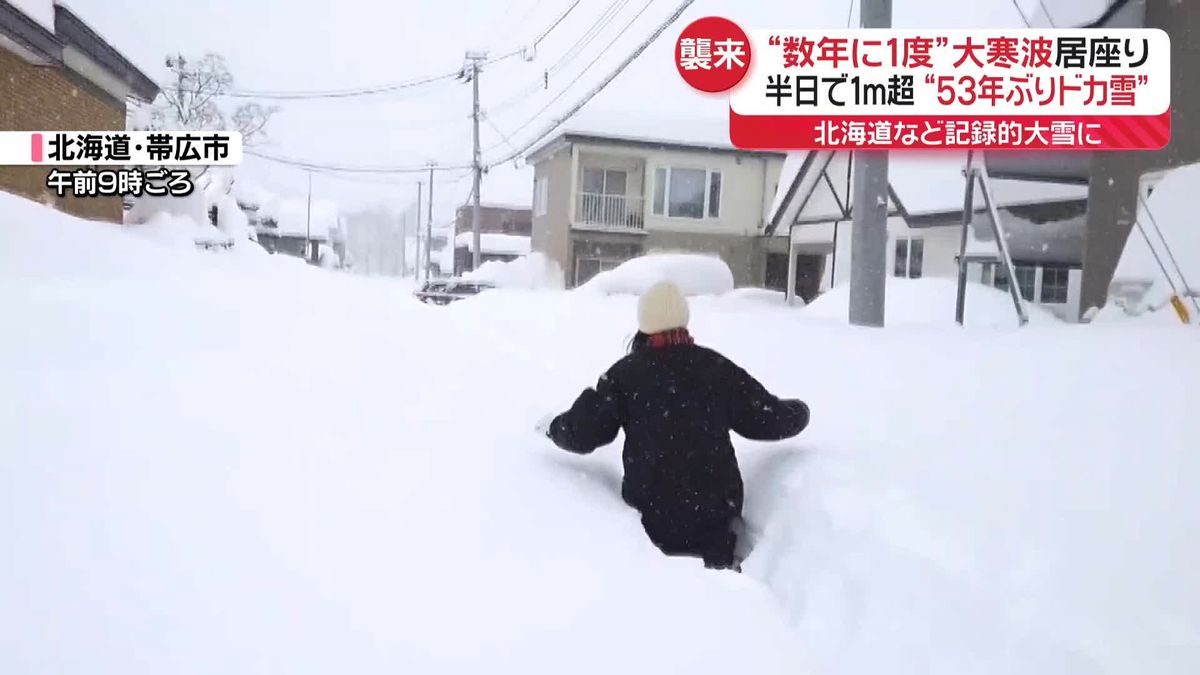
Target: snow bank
1173 207
532 272
199 477
694 274
930 302
197 481
146 207
489 242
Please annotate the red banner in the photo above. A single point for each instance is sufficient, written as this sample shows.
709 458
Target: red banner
987 132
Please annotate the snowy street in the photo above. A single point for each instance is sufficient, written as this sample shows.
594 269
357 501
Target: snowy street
241 464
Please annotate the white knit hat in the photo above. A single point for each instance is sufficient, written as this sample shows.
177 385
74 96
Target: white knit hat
661 308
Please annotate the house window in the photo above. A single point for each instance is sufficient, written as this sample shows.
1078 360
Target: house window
587 266
541 196
604 181
1055 280
910 258
687 193
660 190
1026 280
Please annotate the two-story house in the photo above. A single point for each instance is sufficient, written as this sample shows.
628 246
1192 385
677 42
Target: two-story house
600 200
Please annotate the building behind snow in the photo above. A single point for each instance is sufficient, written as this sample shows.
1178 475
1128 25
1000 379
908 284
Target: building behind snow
57 73
1044 222
601 199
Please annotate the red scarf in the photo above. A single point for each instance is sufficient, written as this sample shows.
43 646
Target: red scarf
670 338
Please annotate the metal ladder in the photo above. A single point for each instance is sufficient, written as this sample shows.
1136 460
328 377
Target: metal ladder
973 173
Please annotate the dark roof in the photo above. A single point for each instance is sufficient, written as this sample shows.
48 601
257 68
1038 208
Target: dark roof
72 30
29 34
69 29
567 137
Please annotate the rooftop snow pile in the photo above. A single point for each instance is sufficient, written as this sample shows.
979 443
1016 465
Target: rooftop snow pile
500 244
645 126
930 302
532 272
694 274
1172 206
291 215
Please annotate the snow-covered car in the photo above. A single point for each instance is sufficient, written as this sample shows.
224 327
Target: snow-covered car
446 291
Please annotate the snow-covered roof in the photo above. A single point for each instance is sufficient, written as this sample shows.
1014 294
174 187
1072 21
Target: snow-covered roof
923 184
935 184
710 134
250 193
502 205
663 128
291 216
489 242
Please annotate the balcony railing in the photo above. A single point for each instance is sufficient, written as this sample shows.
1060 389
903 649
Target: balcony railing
610 211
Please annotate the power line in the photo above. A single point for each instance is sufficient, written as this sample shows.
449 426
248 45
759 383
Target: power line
593 62
507 140
1020 10
354 92
1117 6
555 24
569 55
340 93
318 166
590 35
600 87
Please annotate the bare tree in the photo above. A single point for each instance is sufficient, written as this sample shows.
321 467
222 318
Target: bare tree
191 100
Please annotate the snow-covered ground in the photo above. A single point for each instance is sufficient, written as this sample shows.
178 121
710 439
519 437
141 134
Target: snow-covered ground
215 462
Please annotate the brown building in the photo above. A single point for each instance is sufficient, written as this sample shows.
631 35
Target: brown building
496 219
65 79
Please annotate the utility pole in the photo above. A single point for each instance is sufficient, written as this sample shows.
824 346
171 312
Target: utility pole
475 58
417 232
429 224
403 245
308 242
868 243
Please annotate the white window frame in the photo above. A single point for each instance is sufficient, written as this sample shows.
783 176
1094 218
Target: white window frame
541 196
666 210
604 263
604 171
1041 284
908 247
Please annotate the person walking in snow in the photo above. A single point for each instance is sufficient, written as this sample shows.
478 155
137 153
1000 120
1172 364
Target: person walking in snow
677 402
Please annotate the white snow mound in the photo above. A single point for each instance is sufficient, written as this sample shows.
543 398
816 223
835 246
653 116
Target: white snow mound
1172 207
532 272
694 274
917 302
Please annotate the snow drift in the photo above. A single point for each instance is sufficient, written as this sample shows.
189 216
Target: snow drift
532 272
1170 216
216 465
694 274
930 301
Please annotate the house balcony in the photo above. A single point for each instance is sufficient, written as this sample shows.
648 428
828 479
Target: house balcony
624 213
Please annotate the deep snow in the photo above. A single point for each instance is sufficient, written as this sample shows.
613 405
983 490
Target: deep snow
236 463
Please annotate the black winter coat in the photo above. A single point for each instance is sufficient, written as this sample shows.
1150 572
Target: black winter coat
677 405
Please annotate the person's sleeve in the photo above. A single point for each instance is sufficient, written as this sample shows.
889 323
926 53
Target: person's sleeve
591 422
758 415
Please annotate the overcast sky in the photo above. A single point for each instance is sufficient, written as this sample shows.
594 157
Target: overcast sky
337 44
